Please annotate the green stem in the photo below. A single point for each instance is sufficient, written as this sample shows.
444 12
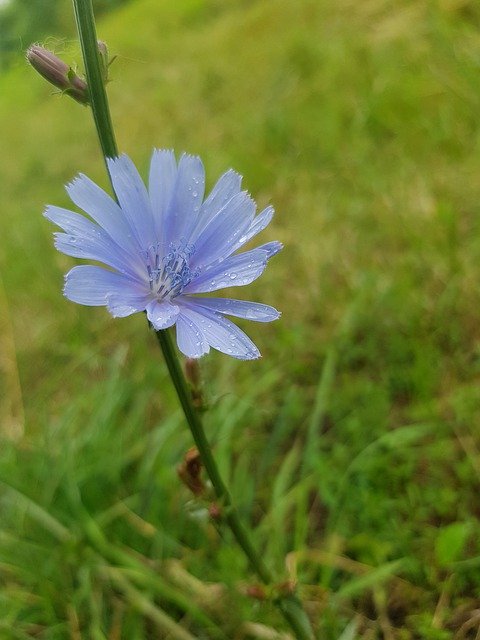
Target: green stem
288 604
95 80
203 446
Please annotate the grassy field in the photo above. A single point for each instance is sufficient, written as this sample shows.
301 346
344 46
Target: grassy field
352 446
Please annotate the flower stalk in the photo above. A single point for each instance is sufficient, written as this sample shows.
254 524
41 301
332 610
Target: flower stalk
287 603
94 70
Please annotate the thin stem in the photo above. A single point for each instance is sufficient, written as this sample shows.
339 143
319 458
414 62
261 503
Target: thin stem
288 604
203 446
95 80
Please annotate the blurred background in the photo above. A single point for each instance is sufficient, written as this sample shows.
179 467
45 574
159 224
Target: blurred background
352 446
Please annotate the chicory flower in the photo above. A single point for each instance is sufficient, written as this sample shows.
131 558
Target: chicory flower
163 246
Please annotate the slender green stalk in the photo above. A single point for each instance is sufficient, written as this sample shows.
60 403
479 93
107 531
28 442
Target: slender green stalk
288 604
95 80
198 433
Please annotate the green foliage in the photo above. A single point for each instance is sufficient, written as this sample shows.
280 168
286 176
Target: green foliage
352 446
451 541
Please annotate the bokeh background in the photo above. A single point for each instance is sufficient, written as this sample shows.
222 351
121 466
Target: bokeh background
352 446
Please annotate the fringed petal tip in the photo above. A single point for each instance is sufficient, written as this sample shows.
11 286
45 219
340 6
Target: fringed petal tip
272 248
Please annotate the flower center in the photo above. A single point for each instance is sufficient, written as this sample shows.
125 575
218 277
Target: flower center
170 274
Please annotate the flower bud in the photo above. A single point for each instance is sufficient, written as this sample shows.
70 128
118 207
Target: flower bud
57 73
190 472
104 61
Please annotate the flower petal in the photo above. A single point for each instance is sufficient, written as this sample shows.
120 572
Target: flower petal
259 223
220 333
85 239
271 248
235 271
162 314
161 184
103 209
228 185
187 198
122 305
223 232
190 339
239 308
133 198
92 286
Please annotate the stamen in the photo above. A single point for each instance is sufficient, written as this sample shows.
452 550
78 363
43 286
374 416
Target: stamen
170 274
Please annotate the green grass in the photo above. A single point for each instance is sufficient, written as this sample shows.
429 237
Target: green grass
352 446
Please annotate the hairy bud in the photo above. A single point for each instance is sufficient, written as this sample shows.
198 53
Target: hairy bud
58 73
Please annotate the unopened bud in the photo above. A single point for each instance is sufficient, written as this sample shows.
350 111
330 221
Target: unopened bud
105 60
190 472
58 73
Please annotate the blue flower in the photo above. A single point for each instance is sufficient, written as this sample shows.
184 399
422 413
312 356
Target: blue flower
164 245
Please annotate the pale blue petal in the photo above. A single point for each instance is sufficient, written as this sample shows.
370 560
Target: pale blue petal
73 223
162 314
271 248
125 304
133 198
85 239
258 224
239 308
190 340
220 236
220 333
187 198
161 184
228 185
235 271
92 286
103 209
